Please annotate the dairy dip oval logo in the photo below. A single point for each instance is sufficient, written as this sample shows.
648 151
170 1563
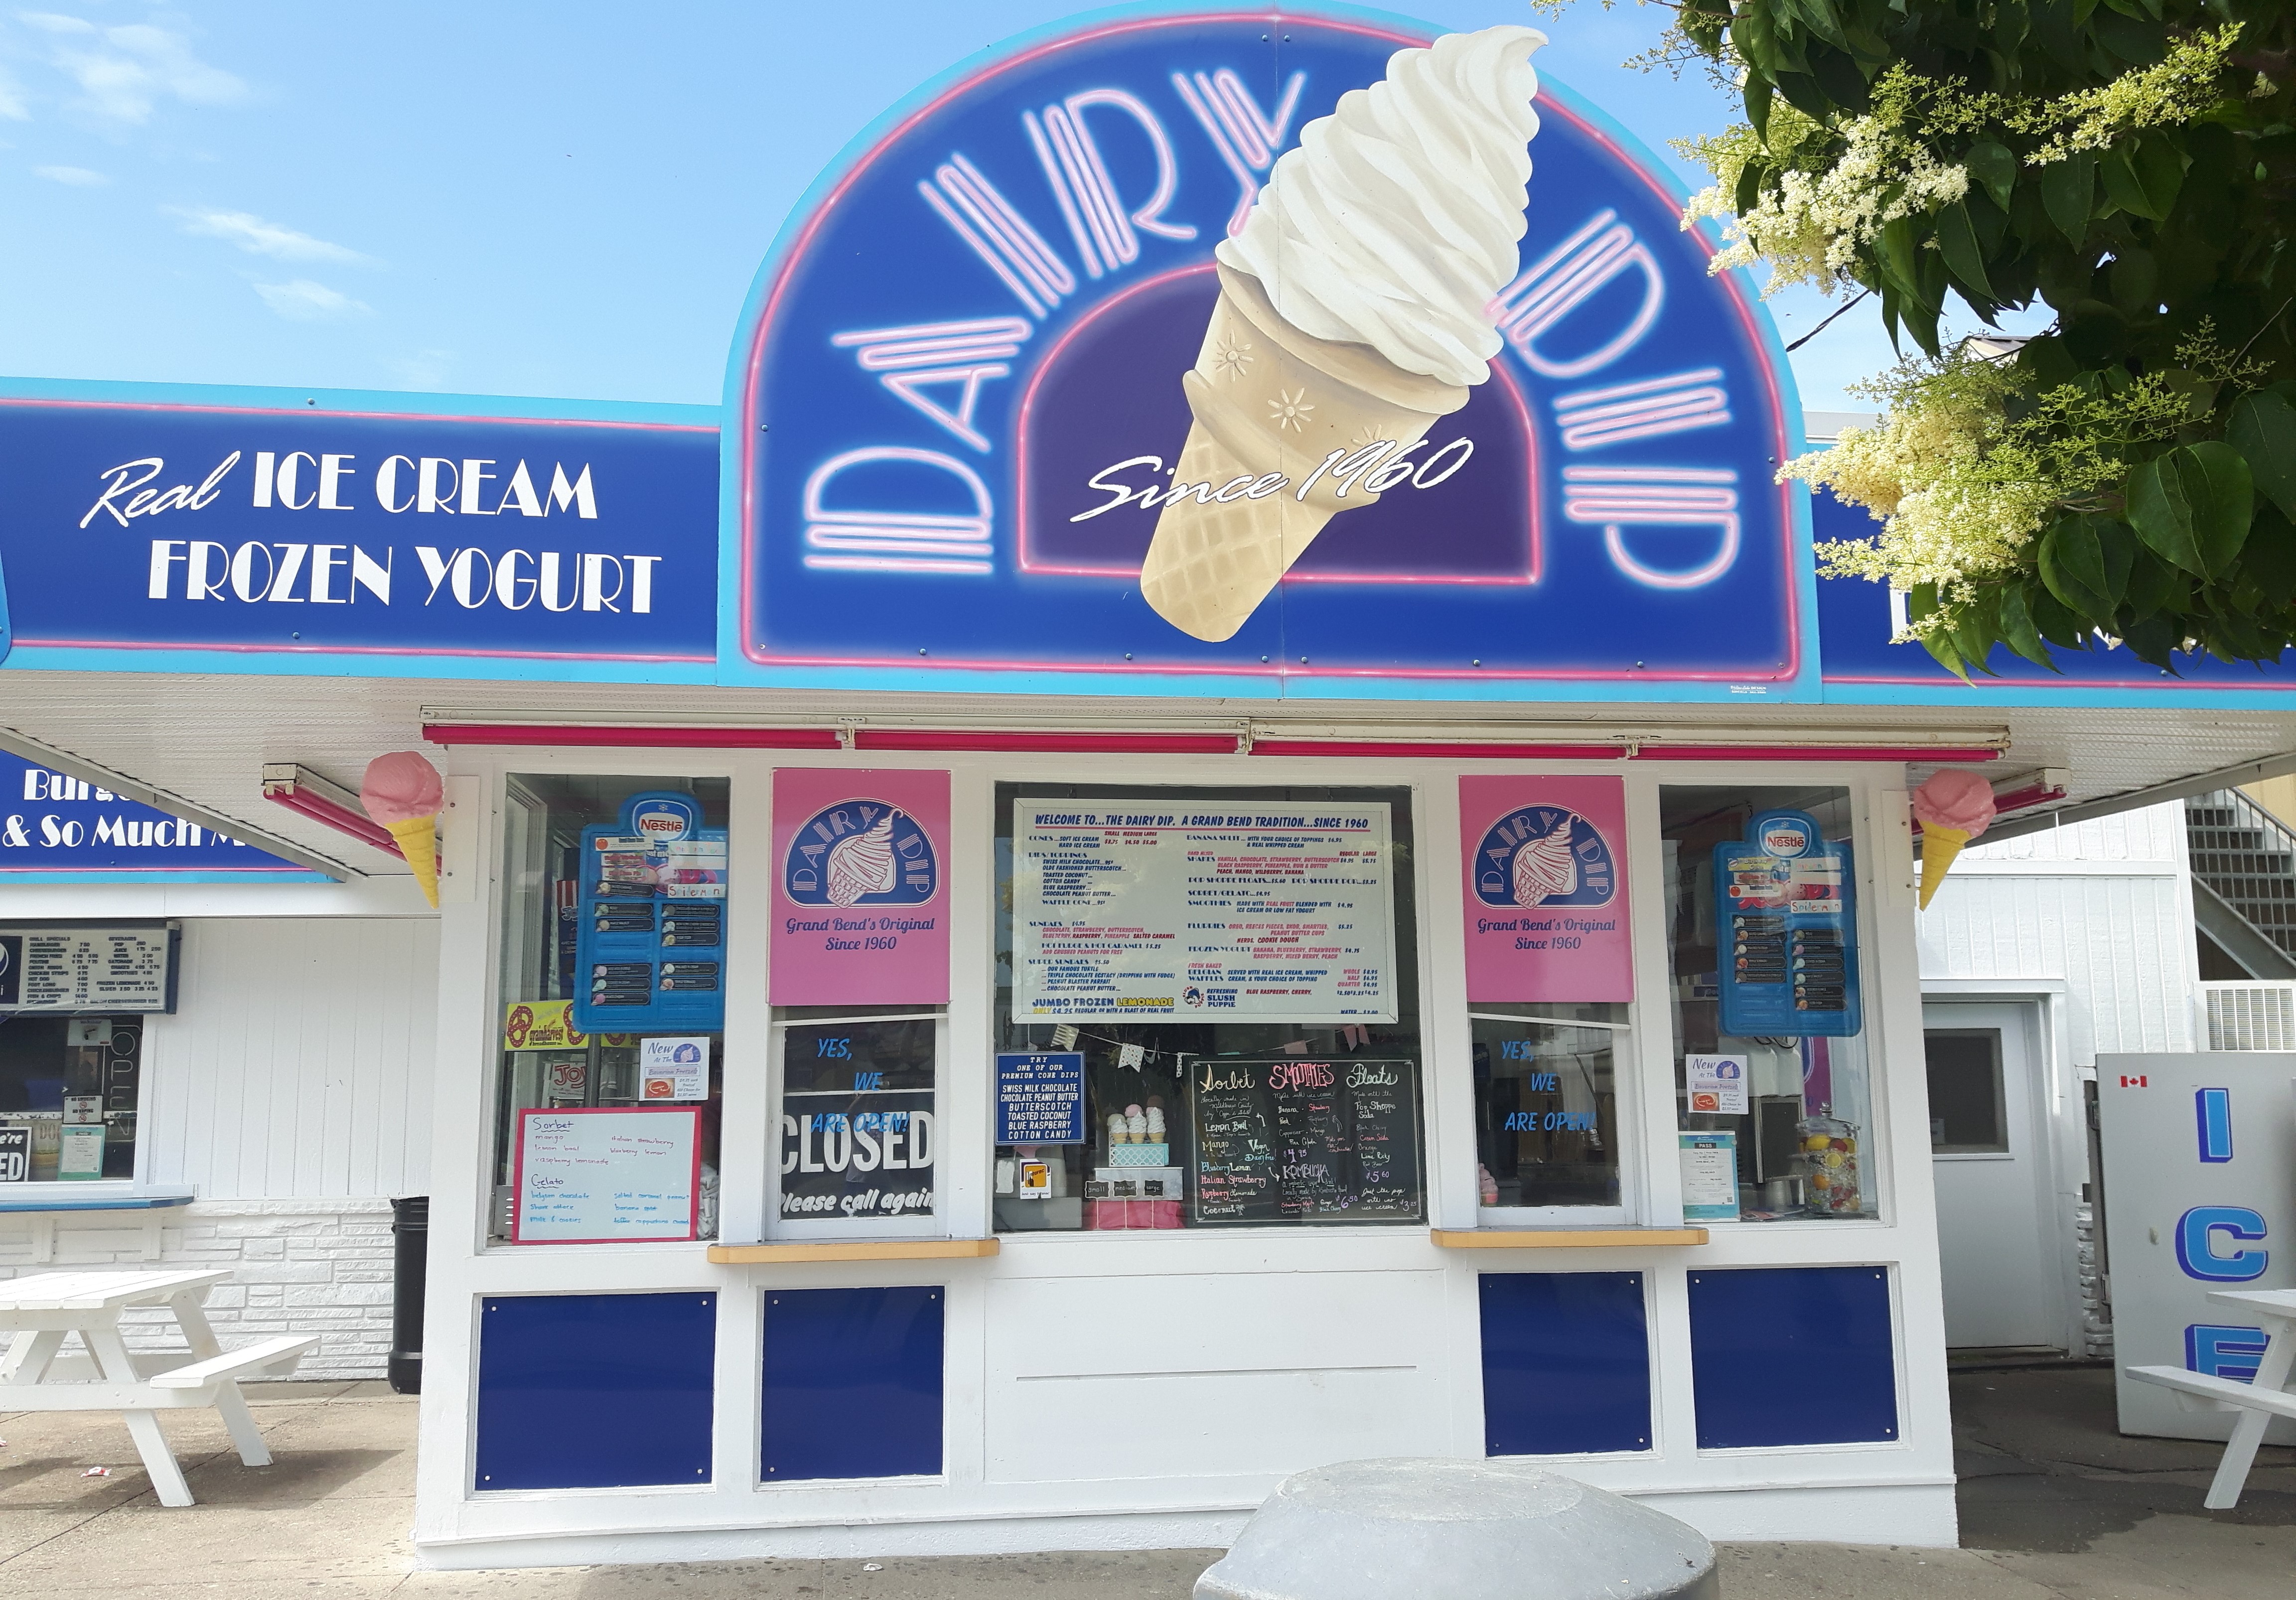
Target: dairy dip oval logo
1545 855
861 852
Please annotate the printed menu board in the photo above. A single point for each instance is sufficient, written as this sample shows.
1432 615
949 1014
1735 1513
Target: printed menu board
1286 1139
600 1177
1788 956
1209 910
88 969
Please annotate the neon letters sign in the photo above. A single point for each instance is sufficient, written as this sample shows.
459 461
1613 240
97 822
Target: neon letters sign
958 407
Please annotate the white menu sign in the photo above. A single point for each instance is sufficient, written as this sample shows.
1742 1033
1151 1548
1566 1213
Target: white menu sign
1207 910
85 969
588 1177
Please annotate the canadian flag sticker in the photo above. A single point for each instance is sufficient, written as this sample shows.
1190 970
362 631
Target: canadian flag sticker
2127 1082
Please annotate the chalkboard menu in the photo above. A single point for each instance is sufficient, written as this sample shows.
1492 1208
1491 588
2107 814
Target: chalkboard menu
1288 1139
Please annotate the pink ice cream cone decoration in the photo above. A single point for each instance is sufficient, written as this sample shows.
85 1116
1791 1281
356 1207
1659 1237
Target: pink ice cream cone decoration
1954 807
403 793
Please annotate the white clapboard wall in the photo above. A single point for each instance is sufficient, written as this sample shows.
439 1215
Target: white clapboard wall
2104 905
298 1063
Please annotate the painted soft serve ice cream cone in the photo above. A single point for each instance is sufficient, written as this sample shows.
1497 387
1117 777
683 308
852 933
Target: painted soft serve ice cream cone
1354 307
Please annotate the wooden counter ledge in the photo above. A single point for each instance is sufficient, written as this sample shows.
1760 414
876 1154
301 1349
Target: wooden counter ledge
799 1252
1564 1238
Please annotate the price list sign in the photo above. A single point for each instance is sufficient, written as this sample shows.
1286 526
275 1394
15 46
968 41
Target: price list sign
1292 1140
1209 910
88 969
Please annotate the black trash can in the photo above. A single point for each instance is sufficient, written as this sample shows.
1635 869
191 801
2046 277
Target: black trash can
410 1227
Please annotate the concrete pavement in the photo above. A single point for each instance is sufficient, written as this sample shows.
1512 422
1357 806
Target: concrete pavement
2054 1506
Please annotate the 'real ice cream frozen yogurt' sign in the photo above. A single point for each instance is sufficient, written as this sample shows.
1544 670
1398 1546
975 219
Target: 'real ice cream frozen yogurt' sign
1163 344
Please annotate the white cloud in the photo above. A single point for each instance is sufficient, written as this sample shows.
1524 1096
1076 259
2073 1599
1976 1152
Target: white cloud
12 103
258 237
124 71
303 300
79 177
425 369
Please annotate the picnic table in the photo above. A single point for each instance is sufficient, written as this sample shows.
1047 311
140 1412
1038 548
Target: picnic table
47 1309
2258 1402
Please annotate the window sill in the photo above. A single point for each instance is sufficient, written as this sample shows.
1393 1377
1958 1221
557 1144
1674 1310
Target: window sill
1564 1238
798 1252
88 1195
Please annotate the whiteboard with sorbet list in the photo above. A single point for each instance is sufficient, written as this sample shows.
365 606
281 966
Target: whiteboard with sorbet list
1203 910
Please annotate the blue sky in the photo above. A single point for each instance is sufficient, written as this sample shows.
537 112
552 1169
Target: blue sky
510 197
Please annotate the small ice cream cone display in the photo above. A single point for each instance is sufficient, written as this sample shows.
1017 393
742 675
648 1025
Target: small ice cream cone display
1354 314
1120 1131
1954 807
403 793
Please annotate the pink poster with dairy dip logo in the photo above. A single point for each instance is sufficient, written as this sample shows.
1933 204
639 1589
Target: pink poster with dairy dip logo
1546 888
860 901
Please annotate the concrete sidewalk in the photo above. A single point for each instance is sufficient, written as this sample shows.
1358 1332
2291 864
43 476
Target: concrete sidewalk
2054 1505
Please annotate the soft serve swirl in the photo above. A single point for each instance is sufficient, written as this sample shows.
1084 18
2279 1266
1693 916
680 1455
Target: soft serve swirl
1401 214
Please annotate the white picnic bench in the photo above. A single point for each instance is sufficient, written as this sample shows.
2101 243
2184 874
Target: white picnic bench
2258 1402
45 1309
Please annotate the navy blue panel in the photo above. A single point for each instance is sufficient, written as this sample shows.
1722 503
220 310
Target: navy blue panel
1792 1354
1566 1363
852 1383
594 1390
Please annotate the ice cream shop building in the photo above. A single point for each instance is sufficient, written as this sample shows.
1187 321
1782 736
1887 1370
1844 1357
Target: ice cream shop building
1216 825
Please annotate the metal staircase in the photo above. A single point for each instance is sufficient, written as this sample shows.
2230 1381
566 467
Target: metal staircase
2243 880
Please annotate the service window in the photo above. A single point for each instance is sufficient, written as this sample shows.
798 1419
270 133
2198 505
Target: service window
69 1093
1547 1111
859 1104
1773 1082
1207 1008
612 1042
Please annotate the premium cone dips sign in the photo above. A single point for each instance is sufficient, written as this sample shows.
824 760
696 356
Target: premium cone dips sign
1201 353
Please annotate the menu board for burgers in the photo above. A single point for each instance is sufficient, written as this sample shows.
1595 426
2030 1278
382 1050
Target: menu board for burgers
88 969
1207 910
1287 1139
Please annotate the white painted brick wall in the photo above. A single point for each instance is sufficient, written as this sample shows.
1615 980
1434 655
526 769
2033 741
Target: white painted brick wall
318 1266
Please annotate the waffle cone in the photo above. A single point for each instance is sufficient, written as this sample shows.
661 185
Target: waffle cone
1271 401
418 841
1939 846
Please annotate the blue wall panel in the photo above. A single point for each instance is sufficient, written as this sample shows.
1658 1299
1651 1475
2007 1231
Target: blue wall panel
852 1383
1566 1363
1792 1354
594 1390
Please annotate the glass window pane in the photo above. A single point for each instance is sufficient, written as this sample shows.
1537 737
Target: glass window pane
858 1115
1774 1122
612 983
1546 1114
70 1088
1967 1113
1193 1122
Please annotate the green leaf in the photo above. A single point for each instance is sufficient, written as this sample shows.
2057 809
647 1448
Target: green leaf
1750 186
2066 188
2056 623
1975 626
2263 429
2117 545
2154 641
1758 105
1838 75
2193 507
2072 566
1994 166
2142 179
1801 91
2268 559
1957 240
2017 628
2160 163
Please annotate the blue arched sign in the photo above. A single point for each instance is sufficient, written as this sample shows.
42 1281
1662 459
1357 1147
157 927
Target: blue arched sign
958 391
